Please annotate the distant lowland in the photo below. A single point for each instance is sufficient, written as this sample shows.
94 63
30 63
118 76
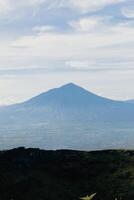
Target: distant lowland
68 117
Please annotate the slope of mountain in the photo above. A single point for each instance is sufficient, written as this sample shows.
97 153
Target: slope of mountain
130 101
33 174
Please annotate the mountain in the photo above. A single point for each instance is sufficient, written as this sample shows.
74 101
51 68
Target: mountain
68 117
68 95
69 102
33 174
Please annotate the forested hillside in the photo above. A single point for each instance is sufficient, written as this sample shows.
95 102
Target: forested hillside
33 174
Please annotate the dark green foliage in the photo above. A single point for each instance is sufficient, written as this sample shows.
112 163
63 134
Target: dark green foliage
33 174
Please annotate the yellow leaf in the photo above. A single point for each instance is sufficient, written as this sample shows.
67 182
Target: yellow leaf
88 197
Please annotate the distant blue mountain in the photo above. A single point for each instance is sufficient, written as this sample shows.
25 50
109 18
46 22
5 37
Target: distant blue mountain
67 95
69 102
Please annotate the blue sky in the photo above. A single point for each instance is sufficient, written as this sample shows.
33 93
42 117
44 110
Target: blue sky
47 43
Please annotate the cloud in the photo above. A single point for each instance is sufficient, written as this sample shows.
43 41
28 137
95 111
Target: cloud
87 24
5 7
80 65
128 11
98 47
14 9
43 29
100 65
85 6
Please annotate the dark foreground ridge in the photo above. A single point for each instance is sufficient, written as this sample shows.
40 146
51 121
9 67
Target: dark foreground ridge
33 174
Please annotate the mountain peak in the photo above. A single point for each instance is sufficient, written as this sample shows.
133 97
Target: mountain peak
72 88
69 85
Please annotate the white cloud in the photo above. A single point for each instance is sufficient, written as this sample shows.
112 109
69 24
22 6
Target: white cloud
5 7
104 46
87 24
81 64
43 29
128 12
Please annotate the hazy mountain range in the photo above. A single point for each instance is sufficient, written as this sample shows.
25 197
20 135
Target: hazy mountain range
56 118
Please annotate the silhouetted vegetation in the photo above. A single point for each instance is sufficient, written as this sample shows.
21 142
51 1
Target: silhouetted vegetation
33 174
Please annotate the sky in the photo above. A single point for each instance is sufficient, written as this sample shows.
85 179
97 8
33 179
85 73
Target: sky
48 43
